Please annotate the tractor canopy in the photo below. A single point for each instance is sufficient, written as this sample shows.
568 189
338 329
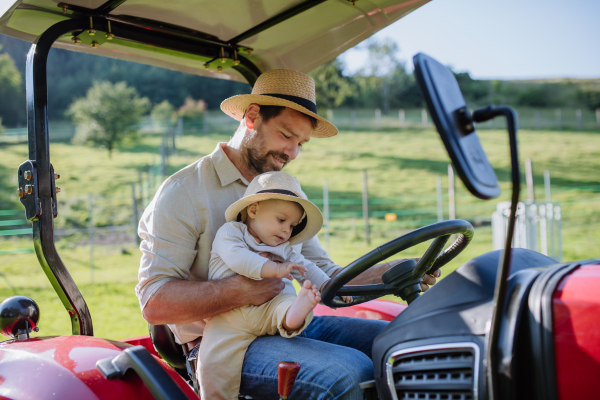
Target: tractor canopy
204 37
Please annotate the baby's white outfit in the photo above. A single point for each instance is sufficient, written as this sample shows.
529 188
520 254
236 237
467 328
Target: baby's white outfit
228 335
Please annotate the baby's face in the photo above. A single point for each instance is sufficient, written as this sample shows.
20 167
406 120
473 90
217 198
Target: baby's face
272 221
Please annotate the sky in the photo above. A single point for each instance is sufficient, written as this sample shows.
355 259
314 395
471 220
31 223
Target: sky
502 39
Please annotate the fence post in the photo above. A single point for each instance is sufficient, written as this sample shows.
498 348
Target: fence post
424 118
598 117
163 161
172 133
354 120
377 119
538 120
330 115
549 211
529 179
180 126
205 123
438 185
451 202
558 219
547 186
91 235
141 184
579 119
326 212
558 119
135 216
386 97
402 118
365 201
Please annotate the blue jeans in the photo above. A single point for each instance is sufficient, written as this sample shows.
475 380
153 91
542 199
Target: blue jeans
334 354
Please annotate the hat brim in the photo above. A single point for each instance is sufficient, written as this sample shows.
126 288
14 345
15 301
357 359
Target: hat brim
236 106
314 218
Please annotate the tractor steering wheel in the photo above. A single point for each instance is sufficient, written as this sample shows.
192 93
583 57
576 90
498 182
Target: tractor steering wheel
402 279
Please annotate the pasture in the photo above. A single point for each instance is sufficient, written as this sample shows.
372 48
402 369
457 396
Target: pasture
400 164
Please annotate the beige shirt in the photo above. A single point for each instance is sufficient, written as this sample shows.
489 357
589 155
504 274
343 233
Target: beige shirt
235 251
180 224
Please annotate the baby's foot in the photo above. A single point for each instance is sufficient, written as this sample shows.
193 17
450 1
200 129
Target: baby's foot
307 300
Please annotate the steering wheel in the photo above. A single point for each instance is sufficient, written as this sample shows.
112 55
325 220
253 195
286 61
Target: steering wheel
402 279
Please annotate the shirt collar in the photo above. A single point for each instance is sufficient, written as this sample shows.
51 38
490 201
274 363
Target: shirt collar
226 171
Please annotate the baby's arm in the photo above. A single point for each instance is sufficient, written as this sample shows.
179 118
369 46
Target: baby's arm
230 246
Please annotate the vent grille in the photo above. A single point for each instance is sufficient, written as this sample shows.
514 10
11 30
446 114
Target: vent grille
434 373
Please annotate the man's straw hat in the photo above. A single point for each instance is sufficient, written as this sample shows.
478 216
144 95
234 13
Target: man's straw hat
281 87
282 186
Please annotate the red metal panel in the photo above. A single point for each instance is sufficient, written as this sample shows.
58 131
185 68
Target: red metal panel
576 320
142 341
64 367
377 309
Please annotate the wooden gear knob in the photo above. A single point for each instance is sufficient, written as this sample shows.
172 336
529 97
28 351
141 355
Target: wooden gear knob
286 376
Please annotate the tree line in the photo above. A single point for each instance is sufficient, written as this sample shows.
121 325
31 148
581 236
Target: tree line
383 83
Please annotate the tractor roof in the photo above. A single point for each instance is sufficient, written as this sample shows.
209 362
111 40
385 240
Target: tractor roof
299 35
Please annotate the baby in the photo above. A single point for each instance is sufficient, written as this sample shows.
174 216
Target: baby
258 242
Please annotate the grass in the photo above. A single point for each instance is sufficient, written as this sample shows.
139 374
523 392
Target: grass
401 165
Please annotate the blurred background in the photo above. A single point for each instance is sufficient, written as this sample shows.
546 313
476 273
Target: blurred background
383 175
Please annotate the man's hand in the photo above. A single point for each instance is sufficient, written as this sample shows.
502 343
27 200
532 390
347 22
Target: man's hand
430 280
258 292
373 275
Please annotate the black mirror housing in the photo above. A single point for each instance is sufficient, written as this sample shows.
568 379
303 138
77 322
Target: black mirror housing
455 125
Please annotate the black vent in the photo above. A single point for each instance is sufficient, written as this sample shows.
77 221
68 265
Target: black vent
435 375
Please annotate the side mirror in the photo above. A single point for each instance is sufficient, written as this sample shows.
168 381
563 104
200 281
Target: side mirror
455 126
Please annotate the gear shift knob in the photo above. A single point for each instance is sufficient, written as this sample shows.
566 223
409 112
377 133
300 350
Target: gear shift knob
286 376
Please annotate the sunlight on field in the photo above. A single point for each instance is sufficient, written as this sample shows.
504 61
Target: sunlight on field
399 164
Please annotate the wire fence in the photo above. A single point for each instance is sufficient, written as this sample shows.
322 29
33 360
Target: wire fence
579 204
345 119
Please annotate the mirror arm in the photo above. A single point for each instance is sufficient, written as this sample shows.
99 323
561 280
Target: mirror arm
481 115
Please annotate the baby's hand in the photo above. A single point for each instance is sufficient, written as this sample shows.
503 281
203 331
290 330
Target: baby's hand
284 269
347 299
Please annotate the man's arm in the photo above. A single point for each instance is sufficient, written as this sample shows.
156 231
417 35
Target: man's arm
170 231
183 301
314 252
373 275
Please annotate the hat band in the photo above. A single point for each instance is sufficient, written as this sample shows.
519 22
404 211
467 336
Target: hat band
309 105
278 191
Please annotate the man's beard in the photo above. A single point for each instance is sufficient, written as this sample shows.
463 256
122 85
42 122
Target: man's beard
257 158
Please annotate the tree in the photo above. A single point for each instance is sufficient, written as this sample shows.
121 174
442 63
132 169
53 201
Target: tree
108 114
163 112
12 99
192 109
331 86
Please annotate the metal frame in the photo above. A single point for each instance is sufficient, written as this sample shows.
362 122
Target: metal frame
40 202
430 348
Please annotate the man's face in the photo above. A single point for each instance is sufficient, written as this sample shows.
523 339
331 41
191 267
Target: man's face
272 144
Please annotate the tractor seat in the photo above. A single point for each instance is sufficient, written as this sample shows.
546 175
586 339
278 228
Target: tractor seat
166 346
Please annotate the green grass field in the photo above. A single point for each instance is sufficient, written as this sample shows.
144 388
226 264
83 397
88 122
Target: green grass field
401 165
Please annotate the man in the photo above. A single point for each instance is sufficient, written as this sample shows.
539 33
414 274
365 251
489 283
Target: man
179 226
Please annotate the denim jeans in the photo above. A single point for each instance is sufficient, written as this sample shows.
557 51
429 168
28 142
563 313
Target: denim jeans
334 354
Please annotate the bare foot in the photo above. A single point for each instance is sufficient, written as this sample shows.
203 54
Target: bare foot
307 300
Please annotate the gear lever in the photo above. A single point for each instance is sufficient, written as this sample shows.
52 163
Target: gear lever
286 376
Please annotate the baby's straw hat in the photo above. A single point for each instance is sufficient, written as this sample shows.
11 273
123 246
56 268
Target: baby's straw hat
281 87
281 186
